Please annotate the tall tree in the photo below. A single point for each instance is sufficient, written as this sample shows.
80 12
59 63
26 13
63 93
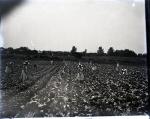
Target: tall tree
100 51
110 51
84 52
74 49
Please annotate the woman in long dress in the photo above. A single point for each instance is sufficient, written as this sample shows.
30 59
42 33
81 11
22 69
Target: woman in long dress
23 74
7 69
80 75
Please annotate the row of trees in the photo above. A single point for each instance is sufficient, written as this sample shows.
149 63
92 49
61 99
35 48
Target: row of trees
110 52
100 52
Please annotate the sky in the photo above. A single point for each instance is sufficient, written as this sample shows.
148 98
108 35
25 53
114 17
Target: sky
58 25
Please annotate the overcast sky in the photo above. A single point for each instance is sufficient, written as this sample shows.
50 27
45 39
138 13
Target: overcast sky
87 24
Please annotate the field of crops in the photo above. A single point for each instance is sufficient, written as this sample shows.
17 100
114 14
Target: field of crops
62 89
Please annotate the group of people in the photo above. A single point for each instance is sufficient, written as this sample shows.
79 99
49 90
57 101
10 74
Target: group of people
24 71
9 69
118 68
121 70
80 75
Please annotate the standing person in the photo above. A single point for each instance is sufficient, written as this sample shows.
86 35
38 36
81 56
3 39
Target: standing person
23 74
80 67
80 75
117 66
25 64
51 62
7 69
11 67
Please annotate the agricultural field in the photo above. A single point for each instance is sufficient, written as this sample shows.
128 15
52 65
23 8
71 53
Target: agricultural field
61 89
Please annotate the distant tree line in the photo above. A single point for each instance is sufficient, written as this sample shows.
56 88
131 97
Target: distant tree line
110 52
54 54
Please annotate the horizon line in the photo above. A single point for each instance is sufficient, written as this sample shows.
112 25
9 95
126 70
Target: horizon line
76 51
